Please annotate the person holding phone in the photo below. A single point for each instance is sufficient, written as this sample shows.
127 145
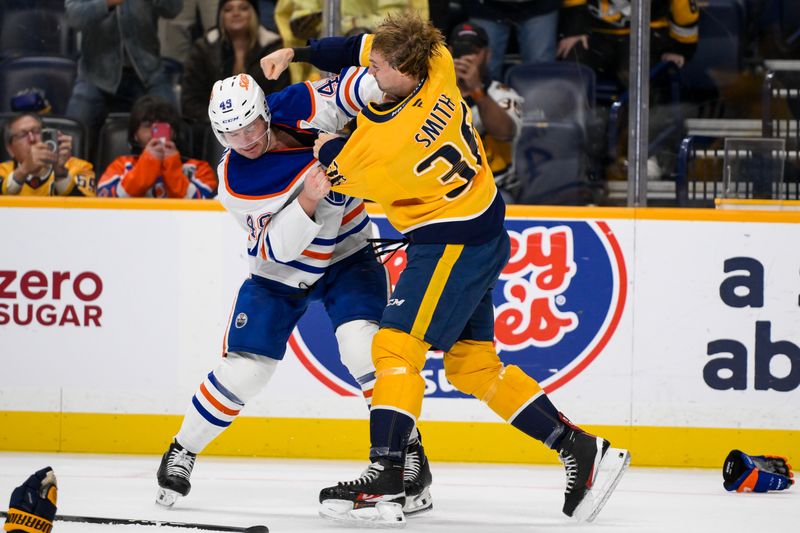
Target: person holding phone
41 161
496 107
156 169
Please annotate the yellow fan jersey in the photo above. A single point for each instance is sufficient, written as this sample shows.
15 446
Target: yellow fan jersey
423 162
80 180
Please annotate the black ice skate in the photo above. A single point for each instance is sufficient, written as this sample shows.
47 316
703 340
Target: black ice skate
417 479
593 471
173 474
376 498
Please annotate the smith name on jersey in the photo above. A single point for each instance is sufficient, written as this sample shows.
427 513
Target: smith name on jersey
420 158
284 243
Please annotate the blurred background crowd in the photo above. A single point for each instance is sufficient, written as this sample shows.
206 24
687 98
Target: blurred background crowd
109 97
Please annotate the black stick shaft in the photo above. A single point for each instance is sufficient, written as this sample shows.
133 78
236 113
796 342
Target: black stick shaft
137 522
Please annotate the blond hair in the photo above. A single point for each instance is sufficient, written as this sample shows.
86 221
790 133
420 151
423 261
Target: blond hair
252 29
407 42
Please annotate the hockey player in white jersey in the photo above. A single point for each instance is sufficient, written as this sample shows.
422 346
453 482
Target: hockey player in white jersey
304 243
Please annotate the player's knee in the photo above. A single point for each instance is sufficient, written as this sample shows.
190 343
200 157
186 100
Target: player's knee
355 346
245 374
392 348
473 373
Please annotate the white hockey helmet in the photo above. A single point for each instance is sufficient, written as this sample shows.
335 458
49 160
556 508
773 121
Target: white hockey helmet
236 102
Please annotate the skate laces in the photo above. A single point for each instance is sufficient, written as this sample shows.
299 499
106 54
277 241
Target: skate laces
412 466
367 476
180 463
571 466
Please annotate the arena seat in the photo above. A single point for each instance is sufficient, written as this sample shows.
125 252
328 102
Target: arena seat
54 75
112 141
551 163
35 31
554 91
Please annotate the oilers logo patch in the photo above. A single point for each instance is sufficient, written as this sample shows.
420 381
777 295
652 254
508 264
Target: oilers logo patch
241 320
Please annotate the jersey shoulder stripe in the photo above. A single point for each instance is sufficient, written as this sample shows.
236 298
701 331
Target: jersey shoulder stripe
293 104
282 170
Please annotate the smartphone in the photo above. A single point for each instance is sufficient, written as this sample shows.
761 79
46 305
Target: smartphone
50 138
162 130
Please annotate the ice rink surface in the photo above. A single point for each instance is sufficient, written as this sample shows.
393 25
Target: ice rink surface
468 498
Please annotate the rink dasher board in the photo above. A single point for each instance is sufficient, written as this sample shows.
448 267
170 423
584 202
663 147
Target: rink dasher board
696 341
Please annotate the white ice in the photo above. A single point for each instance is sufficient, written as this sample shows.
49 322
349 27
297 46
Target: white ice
468 498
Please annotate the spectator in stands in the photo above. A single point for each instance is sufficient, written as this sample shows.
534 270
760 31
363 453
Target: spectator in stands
156 168
496 108
597 34
235 46
120 57
36 169
535 21
300 20
175 34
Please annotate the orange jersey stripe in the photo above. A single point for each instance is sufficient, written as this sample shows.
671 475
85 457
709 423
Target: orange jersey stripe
245 197
347 92
352 214
216 402
313 103
317 255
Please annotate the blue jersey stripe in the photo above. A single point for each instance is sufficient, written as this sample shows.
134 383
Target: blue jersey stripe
358 228
324 242
305 268
366 378
296 264
225 392
208 416
340 104
356 86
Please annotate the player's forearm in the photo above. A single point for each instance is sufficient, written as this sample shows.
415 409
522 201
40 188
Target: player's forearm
289 232
330 54
495 119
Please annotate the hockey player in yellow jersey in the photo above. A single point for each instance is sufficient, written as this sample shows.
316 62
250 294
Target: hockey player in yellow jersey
417 155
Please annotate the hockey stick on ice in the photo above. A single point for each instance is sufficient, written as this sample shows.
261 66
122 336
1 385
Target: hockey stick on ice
155 523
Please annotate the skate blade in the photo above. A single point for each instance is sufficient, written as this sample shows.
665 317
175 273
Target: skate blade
416 505
167 497
609 473
382 515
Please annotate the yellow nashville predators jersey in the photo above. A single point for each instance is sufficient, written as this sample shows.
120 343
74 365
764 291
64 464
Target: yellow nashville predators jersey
422 161
80 176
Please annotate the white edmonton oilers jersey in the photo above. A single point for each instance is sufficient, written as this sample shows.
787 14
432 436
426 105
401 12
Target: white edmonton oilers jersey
284 244
508 99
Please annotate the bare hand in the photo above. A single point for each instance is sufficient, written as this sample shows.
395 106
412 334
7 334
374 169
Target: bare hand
64 152
170 149
275 63
566 44
468 74
316 185
156 148
321 140
678 59
40 156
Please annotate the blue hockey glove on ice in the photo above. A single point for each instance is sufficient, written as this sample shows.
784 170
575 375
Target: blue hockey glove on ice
756 473
33 504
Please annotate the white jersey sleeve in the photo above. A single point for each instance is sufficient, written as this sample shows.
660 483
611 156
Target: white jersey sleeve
508 99
338 99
